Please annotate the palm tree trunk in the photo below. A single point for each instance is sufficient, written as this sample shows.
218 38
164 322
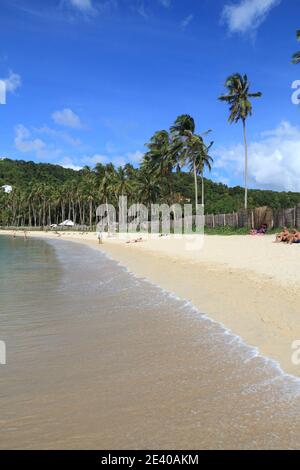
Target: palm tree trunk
246 164
196 186
202 188
107 213
29 215
91 213
63 211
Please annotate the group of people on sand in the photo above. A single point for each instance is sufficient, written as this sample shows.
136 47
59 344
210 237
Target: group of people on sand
288 236
262 230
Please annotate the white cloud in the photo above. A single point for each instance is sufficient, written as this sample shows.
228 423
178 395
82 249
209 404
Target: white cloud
117 160
247 15
186 21
97 158
221 178
141 9
135 157
68 163
12 82
67 117
274 159
85 6
64 136
23 140
165 3
25 143
104 160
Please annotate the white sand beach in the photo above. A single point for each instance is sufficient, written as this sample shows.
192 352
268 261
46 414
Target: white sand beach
249 284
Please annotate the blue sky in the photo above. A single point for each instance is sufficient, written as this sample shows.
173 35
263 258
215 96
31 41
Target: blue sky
91 80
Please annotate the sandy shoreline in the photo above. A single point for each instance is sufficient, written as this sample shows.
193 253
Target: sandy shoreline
249 284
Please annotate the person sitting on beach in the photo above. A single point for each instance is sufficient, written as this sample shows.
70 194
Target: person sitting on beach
260 231
283 236
294 237
297 237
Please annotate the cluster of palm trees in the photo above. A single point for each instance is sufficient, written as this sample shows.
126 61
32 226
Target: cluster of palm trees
181 147
43 204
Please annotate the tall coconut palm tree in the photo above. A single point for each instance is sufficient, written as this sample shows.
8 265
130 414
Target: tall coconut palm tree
107 186
198 158
89 191
148 188
296 56
161 158
122 184
240 107
192 149
183 123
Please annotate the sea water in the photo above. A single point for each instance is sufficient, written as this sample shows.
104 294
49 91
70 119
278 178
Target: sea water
97 358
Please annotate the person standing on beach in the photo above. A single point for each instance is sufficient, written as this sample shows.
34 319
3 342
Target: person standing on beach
100 237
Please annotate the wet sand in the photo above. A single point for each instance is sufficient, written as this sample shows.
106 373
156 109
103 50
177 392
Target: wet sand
249 284
99 359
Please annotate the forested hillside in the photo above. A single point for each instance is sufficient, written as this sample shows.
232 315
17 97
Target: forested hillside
44 193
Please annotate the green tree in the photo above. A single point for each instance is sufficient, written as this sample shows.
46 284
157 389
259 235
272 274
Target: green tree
107 186
240 107
198 159
122 186
148 188
161 159
191 149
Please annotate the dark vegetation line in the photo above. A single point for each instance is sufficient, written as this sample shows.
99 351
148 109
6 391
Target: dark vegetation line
45 193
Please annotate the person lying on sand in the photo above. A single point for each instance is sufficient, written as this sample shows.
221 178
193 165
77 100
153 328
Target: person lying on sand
283 236
260 231
137 240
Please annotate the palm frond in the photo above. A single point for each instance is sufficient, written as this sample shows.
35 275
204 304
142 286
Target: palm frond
296 58
255 95
238 97
183 123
